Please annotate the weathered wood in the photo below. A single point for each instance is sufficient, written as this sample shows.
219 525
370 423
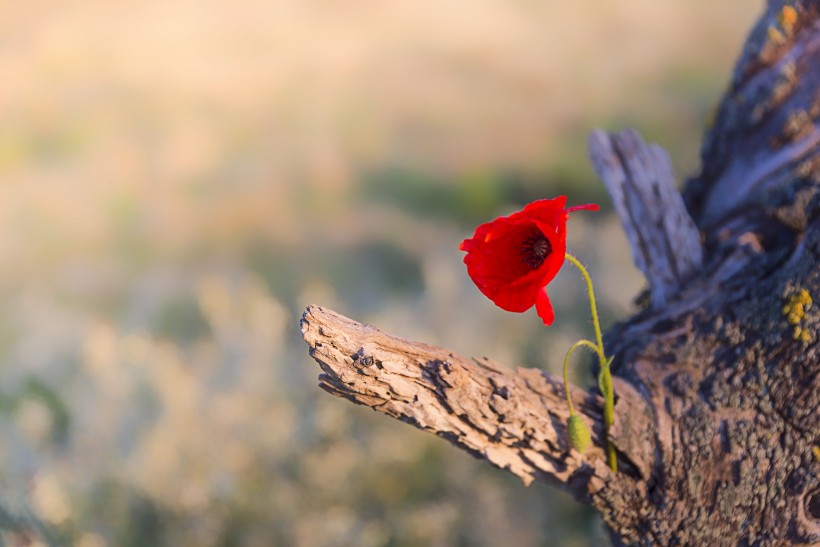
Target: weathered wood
717 421
736 396
764 134
514 419
664 240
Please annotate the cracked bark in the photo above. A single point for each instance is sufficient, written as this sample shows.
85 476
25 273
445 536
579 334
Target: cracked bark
717 421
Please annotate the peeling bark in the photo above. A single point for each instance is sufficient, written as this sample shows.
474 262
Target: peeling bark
664 240
717 381
516 420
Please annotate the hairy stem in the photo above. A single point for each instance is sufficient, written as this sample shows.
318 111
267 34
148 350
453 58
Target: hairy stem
606 376
572 348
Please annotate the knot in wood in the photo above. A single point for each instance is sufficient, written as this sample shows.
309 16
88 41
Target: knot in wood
362 360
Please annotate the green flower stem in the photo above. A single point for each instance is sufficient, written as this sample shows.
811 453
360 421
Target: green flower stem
605 378
572 348
593 307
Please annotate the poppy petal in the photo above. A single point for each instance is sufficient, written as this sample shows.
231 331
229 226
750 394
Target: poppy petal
544 307
538 207
516 297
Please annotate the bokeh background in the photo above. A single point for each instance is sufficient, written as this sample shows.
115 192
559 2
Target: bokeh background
179 179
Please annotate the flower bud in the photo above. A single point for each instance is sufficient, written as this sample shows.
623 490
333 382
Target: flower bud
578 433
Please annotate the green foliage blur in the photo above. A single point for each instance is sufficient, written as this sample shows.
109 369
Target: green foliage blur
179 180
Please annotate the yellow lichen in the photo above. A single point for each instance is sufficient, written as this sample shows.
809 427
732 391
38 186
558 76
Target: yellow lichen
816 451
796 311
787 18
775 36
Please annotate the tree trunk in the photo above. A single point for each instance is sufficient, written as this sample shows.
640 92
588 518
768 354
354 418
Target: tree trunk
717 380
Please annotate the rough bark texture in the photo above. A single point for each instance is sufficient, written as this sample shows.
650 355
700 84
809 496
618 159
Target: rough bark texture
514 419
717 380
665 242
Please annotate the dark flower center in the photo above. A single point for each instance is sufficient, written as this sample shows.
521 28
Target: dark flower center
536 249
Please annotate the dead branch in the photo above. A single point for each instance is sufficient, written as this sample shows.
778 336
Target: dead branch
514 419
664 240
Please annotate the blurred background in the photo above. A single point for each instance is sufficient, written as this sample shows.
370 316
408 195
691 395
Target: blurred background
178 180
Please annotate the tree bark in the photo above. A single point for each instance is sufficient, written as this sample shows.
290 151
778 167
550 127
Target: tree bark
717 380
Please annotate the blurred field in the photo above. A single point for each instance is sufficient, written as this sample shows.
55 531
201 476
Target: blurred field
179 179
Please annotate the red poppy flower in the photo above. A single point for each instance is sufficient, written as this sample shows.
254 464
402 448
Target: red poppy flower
512 259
